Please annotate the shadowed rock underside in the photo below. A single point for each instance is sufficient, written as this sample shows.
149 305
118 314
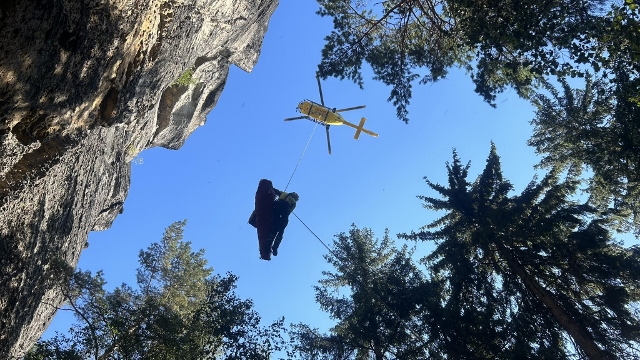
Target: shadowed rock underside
84 87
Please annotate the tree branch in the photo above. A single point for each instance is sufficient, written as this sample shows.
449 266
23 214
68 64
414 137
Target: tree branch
578 333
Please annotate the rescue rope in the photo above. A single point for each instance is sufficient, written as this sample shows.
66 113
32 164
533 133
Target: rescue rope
369 290
314 234
301 156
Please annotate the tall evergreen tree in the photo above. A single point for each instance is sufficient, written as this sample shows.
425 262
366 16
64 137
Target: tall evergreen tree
519 44
376 295
179 310
528 276
597 128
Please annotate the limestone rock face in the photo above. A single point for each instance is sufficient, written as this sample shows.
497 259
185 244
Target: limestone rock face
85 86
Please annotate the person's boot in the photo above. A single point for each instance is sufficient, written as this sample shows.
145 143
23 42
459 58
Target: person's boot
274 250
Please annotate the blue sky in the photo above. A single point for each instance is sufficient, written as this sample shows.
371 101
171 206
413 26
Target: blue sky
371 182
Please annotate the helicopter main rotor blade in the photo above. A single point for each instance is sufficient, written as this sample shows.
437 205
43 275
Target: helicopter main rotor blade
296 118
320 89
328 140
352 108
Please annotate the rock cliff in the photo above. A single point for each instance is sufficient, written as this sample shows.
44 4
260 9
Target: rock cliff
85 86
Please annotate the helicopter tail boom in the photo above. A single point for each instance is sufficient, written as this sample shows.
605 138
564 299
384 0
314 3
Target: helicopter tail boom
360 128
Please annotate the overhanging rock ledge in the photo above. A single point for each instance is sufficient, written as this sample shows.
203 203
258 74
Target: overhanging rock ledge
84 87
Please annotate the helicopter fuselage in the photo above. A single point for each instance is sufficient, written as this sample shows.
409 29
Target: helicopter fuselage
320 113
326 116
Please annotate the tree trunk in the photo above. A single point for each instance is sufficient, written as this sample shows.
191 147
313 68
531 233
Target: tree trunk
377 351
581 336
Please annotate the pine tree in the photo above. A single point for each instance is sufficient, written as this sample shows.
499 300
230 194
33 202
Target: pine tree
375 295
595 128
179 310
530 276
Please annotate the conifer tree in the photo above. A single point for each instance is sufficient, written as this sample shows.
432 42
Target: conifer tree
536 275
596 128
375 294
179 310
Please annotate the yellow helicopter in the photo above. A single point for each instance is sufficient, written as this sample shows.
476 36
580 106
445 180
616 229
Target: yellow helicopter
321 114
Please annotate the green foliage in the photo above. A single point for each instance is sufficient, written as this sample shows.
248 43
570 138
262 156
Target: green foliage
622 38
530 276
394 45
186 78
599 129
501 43
520 275
55 348
171 272
526 45
375 295
519 44
179 310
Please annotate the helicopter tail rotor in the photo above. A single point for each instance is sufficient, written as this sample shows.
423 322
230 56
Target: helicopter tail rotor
359 129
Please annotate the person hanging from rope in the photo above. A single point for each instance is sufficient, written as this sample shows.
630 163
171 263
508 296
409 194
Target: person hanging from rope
282 208
262 217
271 216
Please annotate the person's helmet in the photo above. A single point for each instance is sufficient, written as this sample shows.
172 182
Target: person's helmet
294 195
